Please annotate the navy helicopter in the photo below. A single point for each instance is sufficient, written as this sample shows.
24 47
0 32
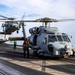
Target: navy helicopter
9 26
49 41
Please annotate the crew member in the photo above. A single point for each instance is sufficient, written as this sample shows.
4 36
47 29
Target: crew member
15 44
26 47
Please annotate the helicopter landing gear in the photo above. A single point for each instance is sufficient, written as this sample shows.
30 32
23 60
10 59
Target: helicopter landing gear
17 31
35 54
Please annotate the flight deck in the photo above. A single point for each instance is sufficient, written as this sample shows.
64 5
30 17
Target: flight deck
12 62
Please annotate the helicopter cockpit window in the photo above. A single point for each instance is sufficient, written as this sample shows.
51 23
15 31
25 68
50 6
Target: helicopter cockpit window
65 38
59 38
52 38
45 40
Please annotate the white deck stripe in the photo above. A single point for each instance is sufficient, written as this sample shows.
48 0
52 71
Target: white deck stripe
37 66
10 70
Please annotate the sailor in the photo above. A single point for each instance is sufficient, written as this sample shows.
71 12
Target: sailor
26 48
15 44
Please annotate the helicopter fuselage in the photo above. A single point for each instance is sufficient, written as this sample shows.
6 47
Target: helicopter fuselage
10 27
50 42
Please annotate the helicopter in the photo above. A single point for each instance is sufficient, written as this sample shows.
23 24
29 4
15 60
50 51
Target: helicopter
49 41
9 26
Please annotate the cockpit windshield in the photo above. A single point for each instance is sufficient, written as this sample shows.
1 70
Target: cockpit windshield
65 38
52 38
59 38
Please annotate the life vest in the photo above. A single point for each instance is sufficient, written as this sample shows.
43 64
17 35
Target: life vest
26 44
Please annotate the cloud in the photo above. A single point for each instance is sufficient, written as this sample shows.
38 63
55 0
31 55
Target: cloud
59 9
51 8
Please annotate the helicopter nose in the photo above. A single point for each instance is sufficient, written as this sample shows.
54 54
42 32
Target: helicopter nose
62 50
15 25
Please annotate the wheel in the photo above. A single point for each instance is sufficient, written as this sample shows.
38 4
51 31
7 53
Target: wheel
35 53
17 31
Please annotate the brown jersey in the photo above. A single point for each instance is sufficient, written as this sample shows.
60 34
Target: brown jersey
26 44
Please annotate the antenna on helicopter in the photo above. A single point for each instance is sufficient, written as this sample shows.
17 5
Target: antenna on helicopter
22 23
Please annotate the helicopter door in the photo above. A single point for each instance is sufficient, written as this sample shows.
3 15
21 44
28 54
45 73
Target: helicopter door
34 40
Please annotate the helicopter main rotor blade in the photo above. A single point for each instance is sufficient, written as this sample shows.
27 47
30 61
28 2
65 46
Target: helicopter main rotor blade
47 20
39 20
65 20
2 19
52 20
17 20
6 18
3 16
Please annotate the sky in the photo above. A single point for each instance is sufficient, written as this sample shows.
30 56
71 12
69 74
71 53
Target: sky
33 9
